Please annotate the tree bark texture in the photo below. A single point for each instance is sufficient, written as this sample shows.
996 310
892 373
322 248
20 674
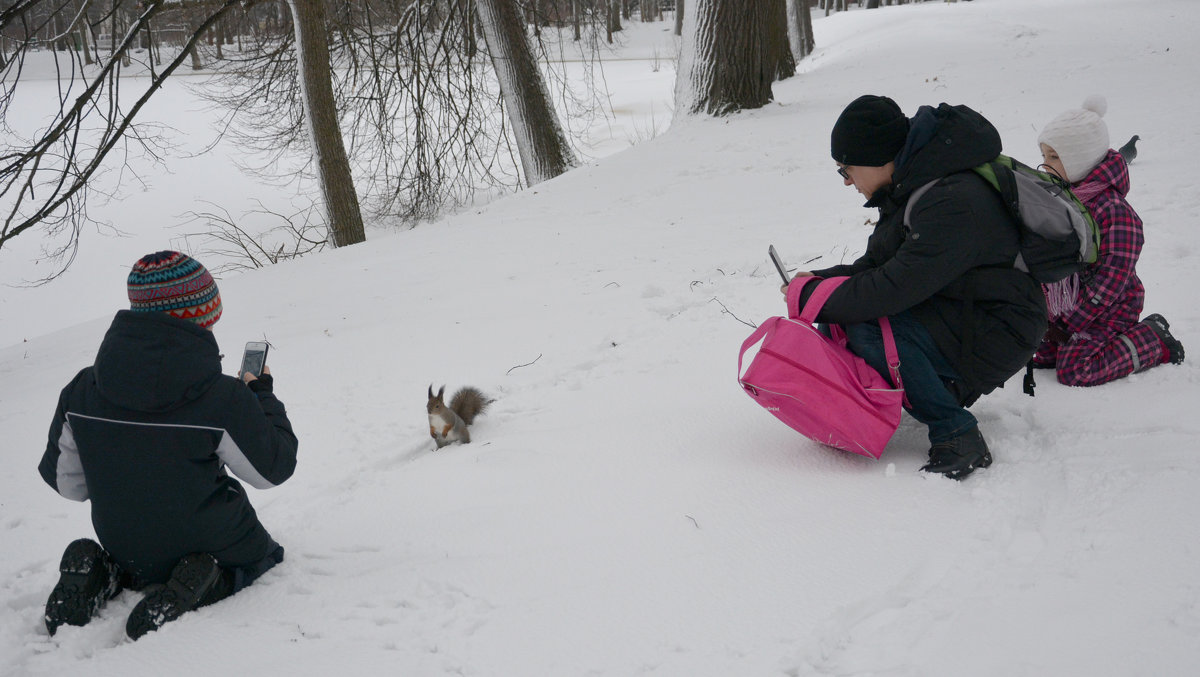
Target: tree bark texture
735 61
777 45
337 187
541 143
800 32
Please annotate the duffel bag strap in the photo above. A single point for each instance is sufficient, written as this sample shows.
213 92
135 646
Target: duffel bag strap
816 301
890 352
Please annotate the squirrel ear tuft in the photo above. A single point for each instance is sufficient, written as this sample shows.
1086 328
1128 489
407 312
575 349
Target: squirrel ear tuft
431 391
441 391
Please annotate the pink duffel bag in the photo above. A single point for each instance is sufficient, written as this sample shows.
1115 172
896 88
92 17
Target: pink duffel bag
817 386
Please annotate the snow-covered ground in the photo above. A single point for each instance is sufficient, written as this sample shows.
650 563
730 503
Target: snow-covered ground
624 509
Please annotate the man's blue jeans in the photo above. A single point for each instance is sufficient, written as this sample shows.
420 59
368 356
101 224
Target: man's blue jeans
924 370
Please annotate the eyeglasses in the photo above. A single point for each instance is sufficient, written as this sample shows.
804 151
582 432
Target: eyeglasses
842 173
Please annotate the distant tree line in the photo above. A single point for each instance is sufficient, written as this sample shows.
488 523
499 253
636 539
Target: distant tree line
405 107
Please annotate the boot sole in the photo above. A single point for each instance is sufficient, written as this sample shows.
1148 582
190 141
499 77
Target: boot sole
87 580
983 462
190 580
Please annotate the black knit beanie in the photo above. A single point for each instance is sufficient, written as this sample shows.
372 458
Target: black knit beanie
869 133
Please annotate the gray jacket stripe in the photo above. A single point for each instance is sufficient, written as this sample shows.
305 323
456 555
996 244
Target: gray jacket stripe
70 481
235 460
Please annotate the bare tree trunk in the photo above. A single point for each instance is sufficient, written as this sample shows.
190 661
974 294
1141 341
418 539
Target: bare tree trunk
469 19
194 52
731 68
219 40
540 139
150 48
800 34
614 16
608 22
337 187
776 42
85 40
678 17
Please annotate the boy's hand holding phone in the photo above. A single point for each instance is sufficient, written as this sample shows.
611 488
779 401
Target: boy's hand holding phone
248 377
254 361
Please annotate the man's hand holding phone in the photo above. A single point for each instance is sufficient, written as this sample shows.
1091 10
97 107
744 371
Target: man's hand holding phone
783 269
803 273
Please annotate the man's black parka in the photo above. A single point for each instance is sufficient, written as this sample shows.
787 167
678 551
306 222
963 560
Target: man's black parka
148 434
953 269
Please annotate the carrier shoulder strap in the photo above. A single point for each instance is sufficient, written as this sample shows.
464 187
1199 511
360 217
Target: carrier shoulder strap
912 200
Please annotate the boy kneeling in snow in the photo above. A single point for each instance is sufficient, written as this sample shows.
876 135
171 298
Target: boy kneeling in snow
146 434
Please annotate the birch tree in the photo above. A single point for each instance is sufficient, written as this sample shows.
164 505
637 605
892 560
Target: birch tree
799 26
542 146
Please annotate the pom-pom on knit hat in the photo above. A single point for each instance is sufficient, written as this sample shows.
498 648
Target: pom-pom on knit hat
176 284
1080 137
870 132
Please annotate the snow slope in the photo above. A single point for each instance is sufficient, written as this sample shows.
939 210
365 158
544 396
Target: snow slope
624 509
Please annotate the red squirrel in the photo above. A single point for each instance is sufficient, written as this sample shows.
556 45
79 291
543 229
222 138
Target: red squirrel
449 423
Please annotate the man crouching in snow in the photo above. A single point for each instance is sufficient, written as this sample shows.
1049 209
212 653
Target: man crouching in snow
147 433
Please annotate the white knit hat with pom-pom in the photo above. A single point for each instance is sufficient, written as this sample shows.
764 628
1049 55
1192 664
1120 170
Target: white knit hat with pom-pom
1079 136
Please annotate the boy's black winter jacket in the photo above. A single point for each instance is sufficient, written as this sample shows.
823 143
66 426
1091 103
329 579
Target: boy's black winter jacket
954 270
148 434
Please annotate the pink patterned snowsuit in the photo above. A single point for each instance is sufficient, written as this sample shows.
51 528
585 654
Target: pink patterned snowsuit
1099 339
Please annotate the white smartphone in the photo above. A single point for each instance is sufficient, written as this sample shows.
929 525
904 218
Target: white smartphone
778 264
254 358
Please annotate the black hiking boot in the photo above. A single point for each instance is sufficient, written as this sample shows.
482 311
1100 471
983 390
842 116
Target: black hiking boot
88 578
960 456
1159 324
192 584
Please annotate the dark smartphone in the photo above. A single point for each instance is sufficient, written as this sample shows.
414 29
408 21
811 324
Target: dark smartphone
254 359
778 264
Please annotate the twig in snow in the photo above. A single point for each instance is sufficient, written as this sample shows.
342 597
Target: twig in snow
748 324
523 365
693 519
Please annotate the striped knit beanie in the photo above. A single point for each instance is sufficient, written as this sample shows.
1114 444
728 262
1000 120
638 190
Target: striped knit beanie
175 284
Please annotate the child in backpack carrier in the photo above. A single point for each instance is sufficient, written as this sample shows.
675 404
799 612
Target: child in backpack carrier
1095 335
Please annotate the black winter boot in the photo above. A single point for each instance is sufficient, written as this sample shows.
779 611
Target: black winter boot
959 457
88 578
1159 324
194 582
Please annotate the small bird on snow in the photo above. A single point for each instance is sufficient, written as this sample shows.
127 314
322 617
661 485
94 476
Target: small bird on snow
1129 150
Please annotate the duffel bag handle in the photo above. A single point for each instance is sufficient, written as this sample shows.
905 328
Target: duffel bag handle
762 331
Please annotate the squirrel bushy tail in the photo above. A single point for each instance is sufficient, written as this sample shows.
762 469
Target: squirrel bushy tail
468 403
